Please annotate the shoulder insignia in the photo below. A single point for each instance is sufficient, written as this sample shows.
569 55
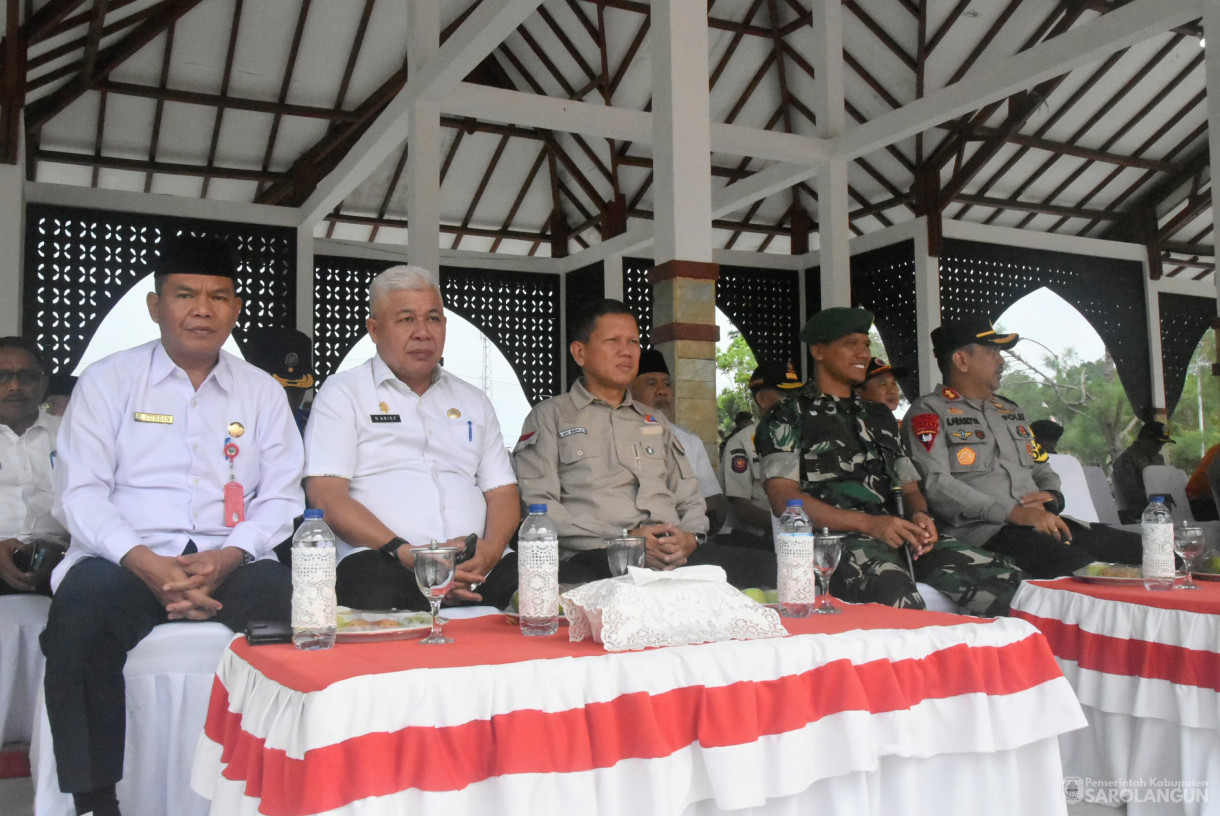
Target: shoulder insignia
966 456
740 463
949 394
926 427
525 440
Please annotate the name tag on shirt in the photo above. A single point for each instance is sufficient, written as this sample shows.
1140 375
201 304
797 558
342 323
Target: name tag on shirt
385 417
159 419
571 431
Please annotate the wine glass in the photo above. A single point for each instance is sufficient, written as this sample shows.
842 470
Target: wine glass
434 570
1188 542
827 548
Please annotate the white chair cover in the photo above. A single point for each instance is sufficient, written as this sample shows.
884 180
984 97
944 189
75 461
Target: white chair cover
1078 501
1103 498
1167 480
22 619
169 682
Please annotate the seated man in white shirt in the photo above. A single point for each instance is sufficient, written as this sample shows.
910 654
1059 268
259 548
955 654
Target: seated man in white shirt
652 387
399 453
179 470
31 540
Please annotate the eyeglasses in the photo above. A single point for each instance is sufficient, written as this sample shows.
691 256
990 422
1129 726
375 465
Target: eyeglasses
24 376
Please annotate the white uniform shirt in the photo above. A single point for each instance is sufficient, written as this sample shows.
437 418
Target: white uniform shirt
420 464
709 485
742 476
27 485
142 458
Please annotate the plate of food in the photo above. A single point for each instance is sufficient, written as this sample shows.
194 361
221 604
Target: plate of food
513 617
1103 572
1209 570
373 625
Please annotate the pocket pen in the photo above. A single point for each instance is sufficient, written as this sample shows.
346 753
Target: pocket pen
469 431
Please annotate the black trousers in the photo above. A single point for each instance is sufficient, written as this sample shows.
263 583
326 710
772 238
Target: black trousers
99 613
1045 557
744 567
368 580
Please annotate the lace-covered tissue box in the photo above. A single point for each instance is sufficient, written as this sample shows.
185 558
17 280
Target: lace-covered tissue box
674 608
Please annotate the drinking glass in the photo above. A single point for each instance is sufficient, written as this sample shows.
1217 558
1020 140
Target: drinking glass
624 552
434 569
827 548
1188 542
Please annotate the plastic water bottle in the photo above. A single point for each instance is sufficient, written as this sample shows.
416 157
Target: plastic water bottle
794 552
314 610
1156 530
538 573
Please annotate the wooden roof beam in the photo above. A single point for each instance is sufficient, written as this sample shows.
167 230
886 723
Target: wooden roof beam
40 112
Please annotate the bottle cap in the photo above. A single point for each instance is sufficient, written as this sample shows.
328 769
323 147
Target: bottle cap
795 502
313 514
537 508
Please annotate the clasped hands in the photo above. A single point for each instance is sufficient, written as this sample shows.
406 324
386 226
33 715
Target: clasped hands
667 546
184 584
920 531
1032 512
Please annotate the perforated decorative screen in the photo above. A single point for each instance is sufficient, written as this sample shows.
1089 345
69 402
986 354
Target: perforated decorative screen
1184 321
518 311
764 305
637 294
985 279
79 263
883 281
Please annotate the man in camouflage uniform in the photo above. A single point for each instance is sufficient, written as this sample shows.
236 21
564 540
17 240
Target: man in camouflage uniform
985 476
842 456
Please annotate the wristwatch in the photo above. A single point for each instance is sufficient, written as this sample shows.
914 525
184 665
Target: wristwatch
246 558
700 539
390 548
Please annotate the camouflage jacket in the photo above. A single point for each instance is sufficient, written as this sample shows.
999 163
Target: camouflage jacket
845 451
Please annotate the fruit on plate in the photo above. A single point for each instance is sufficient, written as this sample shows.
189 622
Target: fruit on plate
1211 565
772 595
755 594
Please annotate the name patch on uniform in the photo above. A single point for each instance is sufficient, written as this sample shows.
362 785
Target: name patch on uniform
571 431
966 456
385 417
740 463
926 427
159 419
962 420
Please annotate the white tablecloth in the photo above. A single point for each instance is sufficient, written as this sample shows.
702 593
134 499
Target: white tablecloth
1148 681
956 717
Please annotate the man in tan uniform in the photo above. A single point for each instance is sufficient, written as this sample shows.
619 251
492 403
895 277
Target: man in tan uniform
604 463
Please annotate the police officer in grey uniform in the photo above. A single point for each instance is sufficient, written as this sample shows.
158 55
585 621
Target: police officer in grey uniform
603 463
986 479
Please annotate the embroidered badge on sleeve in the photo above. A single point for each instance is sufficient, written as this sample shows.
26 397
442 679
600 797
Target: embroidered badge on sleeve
926 427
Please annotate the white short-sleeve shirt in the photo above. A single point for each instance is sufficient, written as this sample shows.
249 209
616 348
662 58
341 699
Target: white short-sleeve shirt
419 463
27 486
709 485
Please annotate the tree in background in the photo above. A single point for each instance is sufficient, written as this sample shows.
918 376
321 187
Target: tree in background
737 363
1087 399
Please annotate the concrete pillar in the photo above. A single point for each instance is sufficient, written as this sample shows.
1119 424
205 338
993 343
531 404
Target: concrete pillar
833 232
613 270
424 140
1156 363
305 280
1211 63
12 246
684 280
927 306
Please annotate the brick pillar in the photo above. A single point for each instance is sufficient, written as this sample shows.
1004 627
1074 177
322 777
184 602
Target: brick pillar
684 330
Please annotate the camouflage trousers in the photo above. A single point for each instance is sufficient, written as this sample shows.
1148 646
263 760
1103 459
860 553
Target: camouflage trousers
981 582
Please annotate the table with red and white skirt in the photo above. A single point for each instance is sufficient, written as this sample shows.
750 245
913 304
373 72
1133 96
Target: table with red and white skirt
1146 668
875 710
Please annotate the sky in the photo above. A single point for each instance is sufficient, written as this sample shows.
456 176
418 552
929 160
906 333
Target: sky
1040 316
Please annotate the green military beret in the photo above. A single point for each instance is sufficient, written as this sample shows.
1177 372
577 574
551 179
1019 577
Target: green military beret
830 324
